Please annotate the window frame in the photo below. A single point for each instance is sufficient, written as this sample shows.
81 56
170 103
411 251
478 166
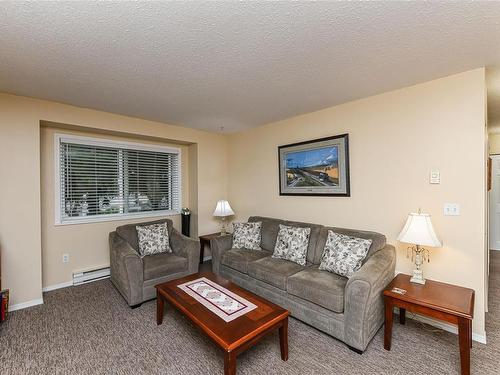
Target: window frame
103 142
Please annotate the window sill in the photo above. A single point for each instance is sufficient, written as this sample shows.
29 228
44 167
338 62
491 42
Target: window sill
118 217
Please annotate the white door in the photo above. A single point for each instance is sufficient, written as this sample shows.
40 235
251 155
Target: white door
495 203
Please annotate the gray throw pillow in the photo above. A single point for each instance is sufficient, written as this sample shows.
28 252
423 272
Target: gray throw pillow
292 243
153 239
343 254
247 235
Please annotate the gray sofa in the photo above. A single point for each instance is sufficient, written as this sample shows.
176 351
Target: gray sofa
136 277
351 309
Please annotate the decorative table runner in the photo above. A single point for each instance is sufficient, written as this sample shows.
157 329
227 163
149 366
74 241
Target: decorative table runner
222 302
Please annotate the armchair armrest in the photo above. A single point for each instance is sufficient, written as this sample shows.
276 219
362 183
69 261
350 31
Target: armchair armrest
187 248
364 306
219 246
126 269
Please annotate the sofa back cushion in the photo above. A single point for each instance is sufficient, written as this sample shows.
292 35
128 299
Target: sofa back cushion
378 241
129 232
270 229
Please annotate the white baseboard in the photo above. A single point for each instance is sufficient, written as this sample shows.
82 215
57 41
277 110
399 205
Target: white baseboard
24 305
57 286
444 326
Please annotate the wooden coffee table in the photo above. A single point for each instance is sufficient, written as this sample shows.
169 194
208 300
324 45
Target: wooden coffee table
235 336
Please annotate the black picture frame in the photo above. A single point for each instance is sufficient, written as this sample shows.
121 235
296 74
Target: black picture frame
321 183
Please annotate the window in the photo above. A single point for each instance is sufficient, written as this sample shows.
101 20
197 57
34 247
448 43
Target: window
106 180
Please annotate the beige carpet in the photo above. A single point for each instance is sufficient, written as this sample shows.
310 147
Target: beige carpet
90 330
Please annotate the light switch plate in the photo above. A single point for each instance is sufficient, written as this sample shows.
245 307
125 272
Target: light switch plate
451 209
435 177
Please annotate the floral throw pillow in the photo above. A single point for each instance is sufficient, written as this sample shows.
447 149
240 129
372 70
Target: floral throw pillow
247 235
343 254
292 243
153 239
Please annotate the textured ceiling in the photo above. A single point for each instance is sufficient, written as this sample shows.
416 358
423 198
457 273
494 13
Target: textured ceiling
235 64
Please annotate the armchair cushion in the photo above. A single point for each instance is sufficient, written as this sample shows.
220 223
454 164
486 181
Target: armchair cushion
159 265
153 239
239 259
129 231
323 288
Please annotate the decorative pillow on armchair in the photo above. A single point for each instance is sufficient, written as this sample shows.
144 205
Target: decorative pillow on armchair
153 239
292 243
343 254
247 235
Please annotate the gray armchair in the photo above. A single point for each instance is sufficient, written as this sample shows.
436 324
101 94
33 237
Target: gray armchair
136 277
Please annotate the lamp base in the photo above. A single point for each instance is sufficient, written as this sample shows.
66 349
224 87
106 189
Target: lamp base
418 277
223 230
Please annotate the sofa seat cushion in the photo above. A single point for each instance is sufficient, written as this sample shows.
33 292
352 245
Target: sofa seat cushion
238 259
323 288
159 265
273 271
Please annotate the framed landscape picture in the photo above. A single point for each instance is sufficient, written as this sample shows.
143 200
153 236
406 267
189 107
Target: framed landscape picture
317 167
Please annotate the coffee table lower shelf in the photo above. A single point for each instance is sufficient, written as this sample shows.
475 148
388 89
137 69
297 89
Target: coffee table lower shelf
232 337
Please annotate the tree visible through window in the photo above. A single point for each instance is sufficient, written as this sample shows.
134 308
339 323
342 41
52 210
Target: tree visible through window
97 180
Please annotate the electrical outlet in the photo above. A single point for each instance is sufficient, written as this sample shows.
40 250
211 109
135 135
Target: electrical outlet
451 209
65 258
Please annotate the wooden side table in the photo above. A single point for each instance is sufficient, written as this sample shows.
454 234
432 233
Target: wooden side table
205 241
447 302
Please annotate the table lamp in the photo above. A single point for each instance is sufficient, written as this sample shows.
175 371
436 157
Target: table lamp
223 210
418 231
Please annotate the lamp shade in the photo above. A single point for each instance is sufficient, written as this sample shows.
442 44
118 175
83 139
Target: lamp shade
418 230
223 209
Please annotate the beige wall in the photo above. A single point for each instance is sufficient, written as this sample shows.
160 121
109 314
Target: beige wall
86 244
494 143
20 219
20 239
395 140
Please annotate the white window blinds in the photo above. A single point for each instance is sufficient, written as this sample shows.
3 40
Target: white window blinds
100 180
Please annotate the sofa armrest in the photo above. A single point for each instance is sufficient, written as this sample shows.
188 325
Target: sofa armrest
363 305
127 273
218 246
187 248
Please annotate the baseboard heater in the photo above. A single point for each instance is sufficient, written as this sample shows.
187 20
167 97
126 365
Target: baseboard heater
89 276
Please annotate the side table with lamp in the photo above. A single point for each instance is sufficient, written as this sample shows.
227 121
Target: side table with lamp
223 210
450 303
